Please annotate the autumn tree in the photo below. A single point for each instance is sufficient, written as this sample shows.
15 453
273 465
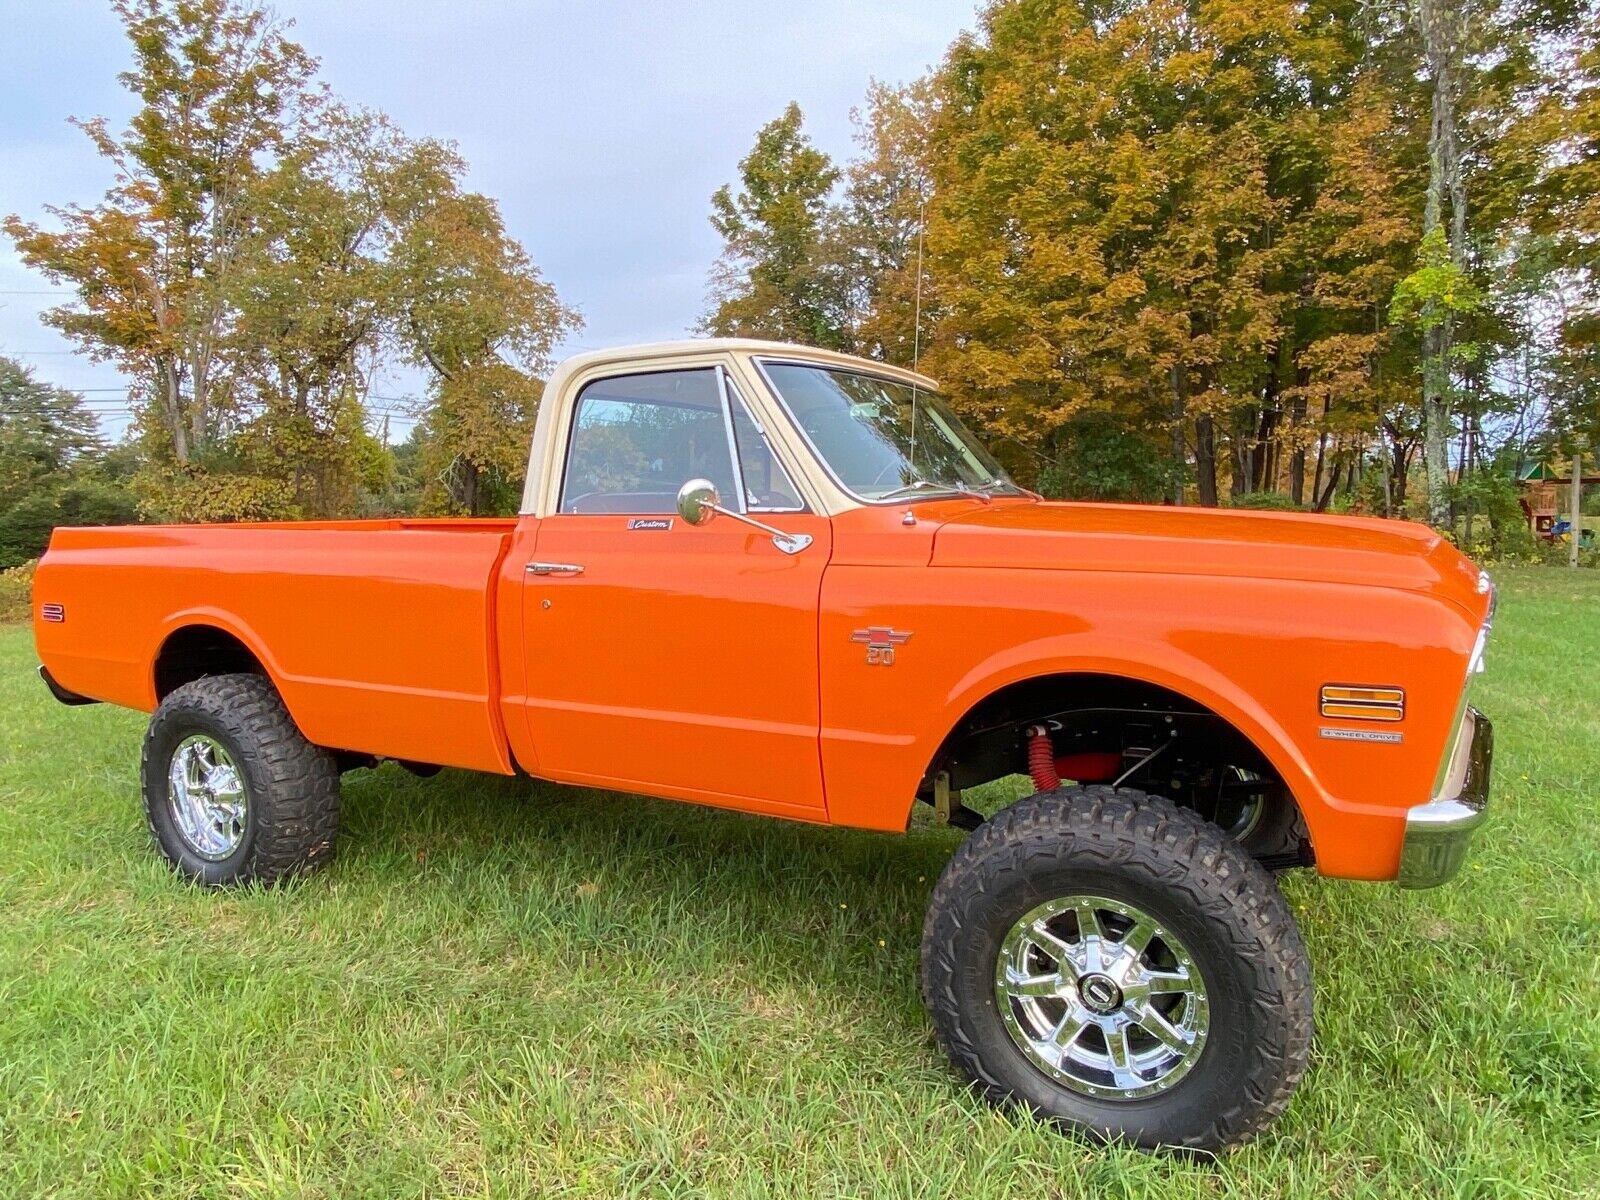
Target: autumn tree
473 309
265 247
219 88
773 279
872 236
1104 233
1352 238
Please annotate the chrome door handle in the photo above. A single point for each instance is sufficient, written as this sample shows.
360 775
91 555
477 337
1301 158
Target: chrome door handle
548 568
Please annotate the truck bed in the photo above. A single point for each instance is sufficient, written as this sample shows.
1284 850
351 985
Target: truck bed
379 634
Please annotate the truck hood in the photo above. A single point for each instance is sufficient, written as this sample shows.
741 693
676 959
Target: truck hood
1218 542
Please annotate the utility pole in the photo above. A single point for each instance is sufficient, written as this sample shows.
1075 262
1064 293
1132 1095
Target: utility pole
1577 505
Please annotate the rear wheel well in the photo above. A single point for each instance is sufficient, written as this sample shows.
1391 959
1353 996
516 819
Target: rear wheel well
1163 742
196 651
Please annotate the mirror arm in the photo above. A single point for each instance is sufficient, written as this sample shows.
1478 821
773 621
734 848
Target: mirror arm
789 543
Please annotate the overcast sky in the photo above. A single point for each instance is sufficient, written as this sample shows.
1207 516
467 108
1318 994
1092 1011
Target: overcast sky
601 127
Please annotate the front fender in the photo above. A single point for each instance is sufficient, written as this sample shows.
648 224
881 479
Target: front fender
1253 651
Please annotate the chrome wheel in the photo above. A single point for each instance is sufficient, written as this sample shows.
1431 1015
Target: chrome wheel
1101 998
207 797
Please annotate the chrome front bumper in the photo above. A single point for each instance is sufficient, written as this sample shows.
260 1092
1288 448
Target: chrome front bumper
1437 833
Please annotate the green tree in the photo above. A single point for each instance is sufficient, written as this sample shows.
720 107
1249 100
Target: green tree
773 279
474 310
46 433
51 457
872 237
1564 221
310 297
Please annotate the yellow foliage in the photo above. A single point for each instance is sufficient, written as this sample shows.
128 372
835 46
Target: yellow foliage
16 593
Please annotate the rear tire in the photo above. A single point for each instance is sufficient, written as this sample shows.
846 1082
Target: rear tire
1236 1038
233 792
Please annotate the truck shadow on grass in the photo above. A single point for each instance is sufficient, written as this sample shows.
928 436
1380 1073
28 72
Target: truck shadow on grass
583 871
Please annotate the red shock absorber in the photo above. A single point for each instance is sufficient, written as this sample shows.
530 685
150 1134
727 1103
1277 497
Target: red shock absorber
1042 760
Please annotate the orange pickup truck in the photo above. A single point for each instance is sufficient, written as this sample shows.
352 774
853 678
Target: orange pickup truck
784 581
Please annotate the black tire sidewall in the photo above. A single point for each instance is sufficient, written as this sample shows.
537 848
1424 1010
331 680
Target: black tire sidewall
172 723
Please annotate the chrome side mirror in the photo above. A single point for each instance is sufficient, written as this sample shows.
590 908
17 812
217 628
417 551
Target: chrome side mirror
698 502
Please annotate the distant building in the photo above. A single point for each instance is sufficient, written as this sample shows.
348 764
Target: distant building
1547 493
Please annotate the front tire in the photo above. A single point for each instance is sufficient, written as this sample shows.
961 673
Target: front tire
233 792
1119 965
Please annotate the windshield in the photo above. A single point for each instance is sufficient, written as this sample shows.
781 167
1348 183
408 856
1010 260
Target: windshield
879 442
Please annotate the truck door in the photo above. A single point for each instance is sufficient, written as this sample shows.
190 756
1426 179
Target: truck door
665 658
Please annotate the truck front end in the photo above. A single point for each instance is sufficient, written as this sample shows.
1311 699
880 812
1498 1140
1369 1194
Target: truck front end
1439 831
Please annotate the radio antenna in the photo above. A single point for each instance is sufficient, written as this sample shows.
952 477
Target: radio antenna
916 325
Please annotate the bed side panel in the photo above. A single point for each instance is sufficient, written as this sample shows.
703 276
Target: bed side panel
378 637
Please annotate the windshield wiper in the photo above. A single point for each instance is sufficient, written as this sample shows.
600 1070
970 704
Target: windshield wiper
988 488
923 485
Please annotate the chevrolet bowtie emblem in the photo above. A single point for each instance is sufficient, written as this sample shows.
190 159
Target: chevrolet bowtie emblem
880 641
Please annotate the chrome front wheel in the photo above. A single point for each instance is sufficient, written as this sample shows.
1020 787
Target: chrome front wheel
207 798
1115 963
1101 997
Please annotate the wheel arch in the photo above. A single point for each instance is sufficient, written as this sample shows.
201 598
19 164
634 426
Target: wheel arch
1021 694
199 644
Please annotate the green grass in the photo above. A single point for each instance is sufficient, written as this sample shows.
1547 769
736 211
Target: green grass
504 991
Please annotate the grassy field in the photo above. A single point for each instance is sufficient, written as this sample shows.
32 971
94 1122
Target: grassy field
503 991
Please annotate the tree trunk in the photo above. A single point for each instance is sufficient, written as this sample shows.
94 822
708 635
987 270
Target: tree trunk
1322 453
1326 494
1179 404
171 389
1438 22
1297 424
1205 461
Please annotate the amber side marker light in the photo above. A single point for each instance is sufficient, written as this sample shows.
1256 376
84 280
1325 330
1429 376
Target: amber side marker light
1349 703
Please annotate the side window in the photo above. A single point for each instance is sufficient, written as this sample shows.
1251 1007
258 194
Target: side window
636 439
767 486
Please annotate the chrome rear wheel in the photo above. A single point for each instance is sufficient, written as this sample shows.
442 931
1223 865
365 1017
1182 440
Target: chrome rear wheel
233 791
206 795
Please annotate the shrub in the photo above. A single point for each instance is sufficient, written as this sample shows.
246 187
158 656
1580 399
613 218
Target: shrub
197 495
25 527
1270 501
16 593
1103 459
1500 530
